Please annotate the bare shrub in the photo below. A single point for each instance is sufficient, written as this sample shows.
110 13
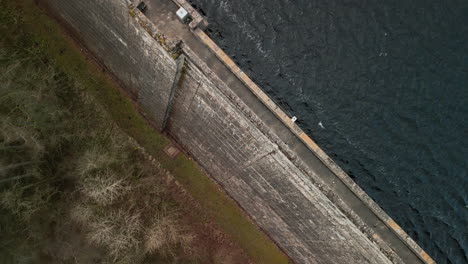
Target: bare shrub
118 230
104 188
103 175
14 138
94 159
166 234
25 206
82 214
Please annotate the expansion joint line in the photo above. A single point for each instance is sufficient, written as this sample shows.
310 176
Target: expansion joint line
179 68
255 160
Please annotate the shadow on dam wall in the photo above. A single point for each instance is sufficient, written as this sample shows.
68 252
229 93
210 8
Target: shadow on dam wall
293 191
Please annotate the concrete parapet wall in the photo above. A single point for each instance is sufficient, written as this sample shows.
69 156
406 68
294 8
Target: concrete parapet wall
275 172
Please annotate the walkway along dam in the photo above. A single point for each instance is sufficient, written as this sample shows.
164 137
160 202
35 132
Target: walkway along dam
189 88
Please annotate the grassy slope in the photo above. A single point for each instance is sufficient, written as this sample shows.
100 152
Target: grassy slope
41 29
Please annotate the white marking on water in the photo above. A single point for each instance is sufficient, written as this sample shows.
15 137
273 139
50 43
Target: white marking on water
321 125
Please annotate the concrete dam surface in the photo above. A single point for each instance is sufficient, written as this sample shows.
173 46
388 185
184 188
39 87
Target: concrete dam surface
188 87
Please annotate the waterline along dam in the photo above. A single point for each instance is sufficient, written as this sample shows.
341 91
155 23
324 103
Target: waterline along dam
186 86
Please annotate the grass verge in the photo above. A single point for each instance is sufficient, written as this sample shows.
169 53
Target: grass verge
46 33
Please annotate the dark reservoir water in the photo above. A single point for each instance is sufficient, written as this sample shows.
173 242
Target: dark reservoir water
381 85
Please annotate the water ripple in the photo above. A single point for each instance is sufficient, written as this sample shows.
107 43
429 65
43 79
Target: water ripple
389 82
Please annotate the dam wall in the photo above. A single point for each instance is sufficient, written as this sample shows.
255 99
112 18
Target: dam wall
144 68
185 85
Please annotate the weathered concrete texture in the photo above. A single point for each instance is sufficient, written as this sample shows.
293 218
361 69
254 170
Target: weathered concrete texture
288 187
126 49
296 145
278 196
309 158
